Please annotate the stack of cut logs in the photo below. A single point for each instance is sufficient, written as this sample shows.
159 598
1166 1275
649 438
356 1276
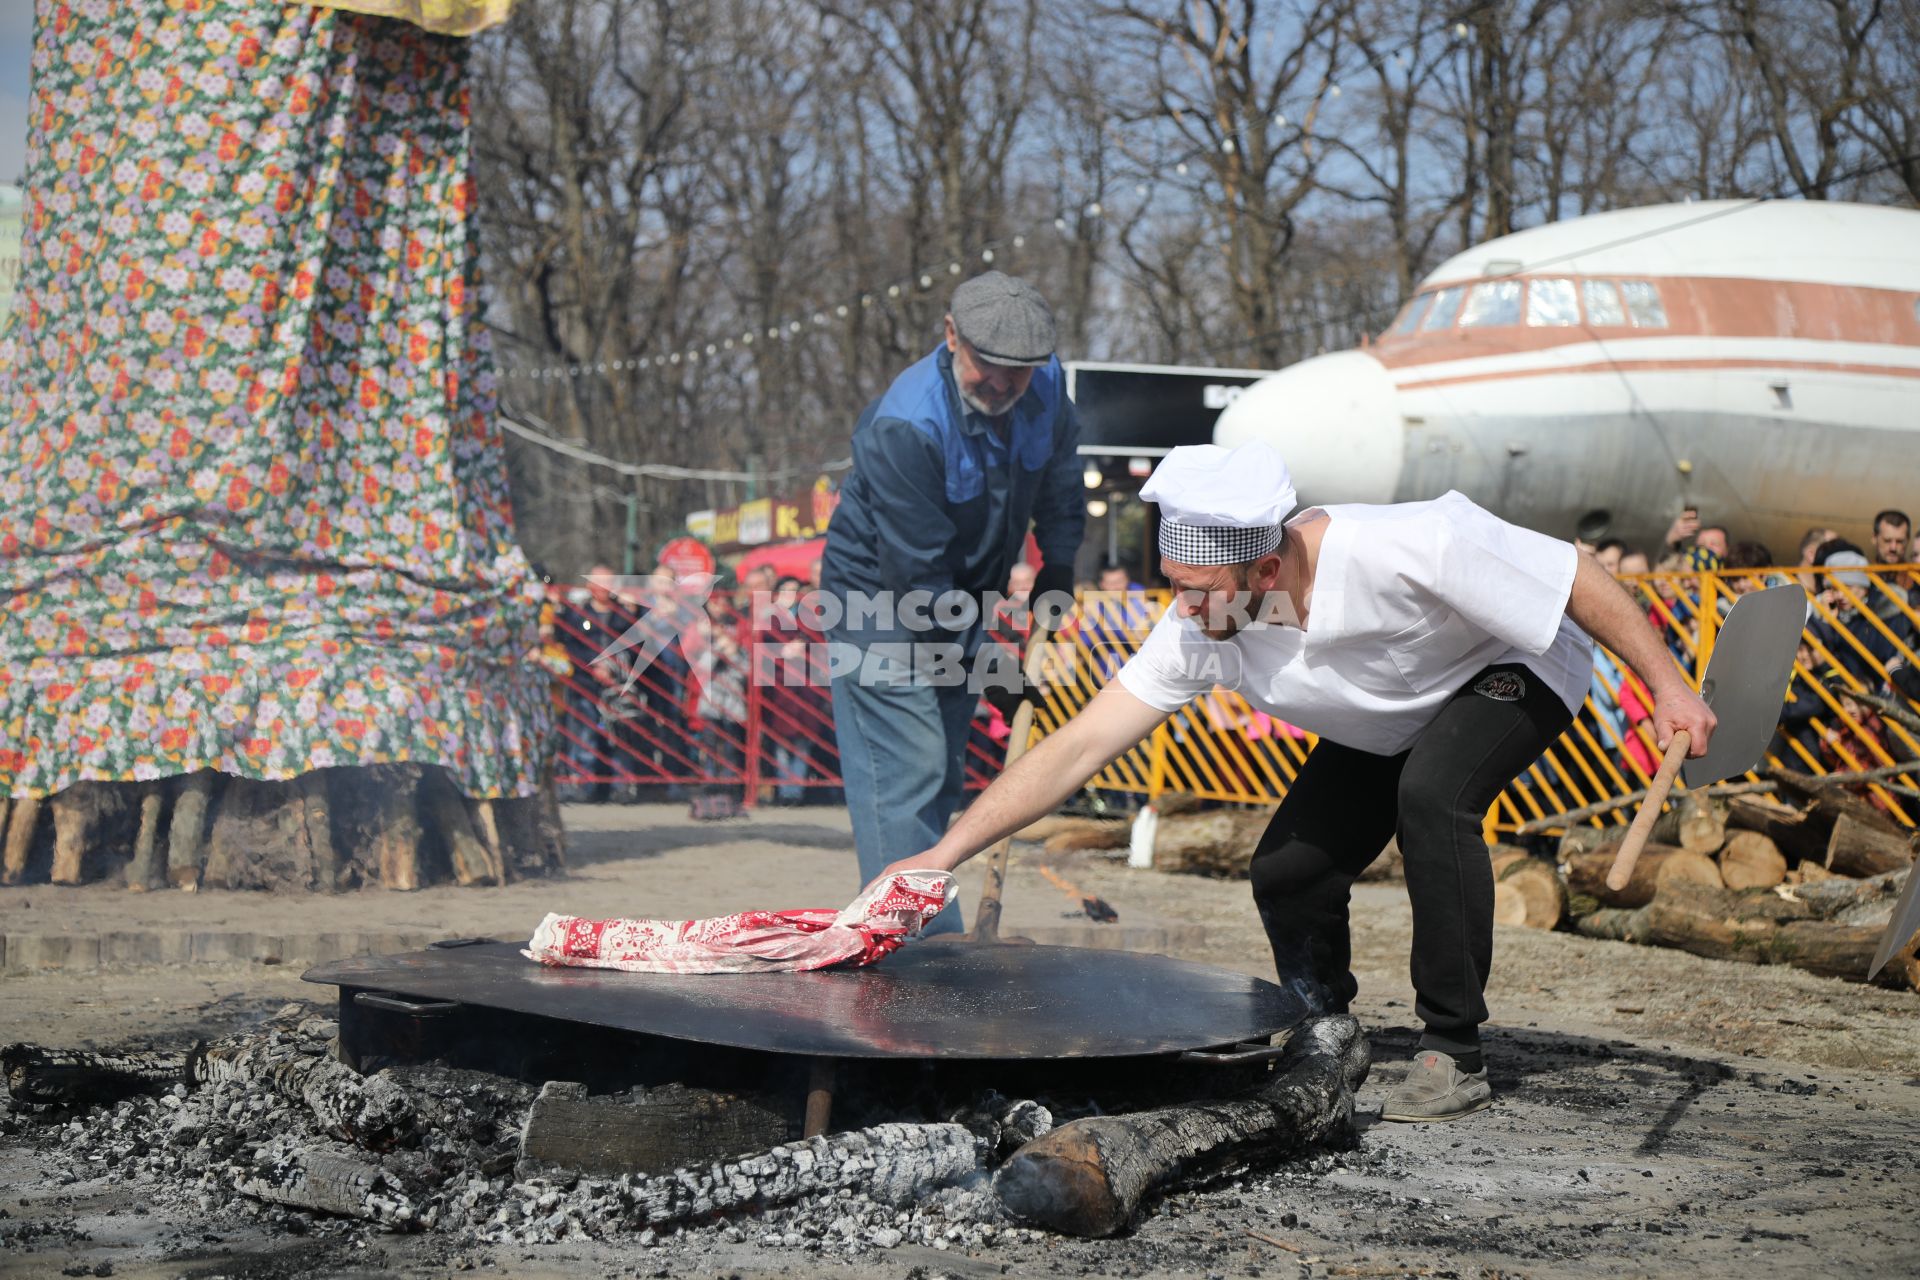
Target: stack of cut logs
398 826
1795 869
1804 873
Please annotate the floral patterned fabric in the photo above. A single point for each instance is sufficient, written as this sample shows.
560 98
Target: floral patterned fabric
875 925
253 502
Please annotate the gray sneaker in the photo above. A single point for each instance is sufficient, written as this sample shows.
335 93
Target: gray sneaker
1437 1089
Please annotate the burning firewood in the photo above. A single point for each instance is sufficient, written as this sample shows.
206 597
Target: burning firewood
327 1179
1090 1177
891 1163
293 1062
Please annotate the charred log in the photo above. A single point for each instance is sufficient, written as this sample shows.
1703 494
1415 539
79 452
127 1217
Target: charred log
648 1131
892 1163
1090 1177
75 1077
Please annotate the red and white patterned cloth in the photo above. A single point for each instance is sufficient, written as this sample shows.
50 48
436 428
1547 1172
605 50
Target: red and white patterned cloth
877 923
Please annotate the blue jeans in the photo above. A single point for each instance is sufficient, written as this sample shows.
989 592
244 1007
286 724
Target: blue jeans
588 750
902 761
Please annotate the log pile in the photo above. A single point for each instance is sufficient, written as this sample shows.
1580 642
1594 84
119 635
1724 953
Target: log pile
395 826
269 1122
1806 875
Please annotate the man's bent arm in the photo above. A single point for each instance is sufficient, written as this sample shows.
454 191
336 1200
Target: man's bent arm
1605 611
1037 783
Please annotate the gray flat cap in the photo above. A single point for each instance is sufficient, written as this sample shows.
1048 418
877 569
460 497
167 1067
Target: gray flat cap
1004 319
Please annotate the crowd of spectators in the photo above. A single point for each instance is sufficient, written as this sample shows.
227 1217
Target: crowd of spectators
1860 630
663 686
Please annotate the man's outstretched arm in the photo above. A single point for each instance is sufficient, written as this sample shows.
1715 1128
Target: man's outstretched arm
1038 782
1606 612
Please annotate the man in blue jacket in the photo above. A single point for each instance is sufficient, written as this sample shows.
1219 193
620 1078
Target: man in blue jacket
965 450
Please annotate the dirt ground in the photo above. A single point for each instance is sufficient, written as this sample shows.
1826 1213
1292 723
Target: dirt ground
1654 1112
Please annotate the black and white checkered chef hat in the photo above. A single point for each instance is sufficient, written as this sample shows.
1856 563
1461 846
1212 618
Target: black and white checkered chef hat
1220 506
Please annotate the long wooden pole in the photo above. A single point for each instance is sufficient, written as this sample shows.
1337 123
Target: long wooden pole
1649 811
986 921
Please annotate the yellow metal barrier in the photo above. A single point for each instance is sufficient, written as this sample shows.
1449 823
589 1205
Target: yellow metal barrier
1861 643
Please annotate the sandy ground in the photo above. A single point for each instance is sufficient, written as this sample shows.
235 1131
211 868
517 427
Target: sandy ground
1655 1111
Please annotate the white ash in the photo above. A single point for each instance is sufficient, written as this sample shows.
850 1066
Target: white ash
248 1144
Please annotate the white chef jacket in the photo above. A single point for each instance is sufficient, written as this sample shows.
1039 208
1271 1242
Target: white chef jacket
1409 601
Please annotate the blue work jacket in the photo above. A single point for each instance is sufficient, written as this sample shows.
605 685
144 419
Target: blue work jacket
939 502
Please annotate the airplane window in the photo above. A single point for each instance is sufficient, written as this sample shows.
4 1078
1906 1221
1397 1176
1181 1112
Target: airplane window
1410 314
1552 302
1643 304
1603 302
1445 304
1492 302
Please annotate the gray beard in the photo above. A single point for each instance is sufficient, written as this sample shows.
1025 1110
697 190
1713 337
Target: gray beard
981 407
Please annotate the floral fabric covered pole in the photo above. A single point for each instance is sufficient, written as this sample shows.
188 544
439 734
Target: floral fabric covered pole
253 500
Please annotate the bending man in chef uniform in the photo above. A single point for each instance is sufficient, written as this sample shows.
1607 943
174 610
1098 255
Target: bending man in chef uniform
1436 651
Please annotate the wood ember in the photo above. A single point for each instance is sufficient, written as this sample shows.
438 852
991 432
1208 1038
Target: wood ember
1090 1177
371 1110
69 1077
890 1163
648 1131
327 1178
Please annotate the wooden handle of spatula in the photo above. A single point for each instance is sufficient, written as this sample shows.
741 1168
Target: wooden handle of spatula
986 923
1649 811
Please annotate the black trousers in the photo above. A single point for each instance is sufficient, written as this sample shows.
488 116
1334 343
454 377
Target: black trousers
1338 815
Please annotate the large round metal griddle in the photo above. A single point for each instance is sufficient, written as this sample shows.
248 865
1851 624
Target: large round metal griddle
932 999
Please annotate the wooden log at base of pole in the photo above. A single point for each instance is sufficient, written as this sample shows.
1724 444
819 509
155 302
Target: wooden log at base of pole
1090 1177
271 835
187 829
1752 861
378 804
1657 866
1528 892
19 839
532 841
1858 848
145 872
445 810
78 814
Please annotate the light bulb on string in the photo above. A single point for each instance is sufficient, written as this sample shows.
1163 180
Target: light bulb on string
1091 477
926 282
1019 242
1096 507
1181 168
841 310
953 268
893 291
